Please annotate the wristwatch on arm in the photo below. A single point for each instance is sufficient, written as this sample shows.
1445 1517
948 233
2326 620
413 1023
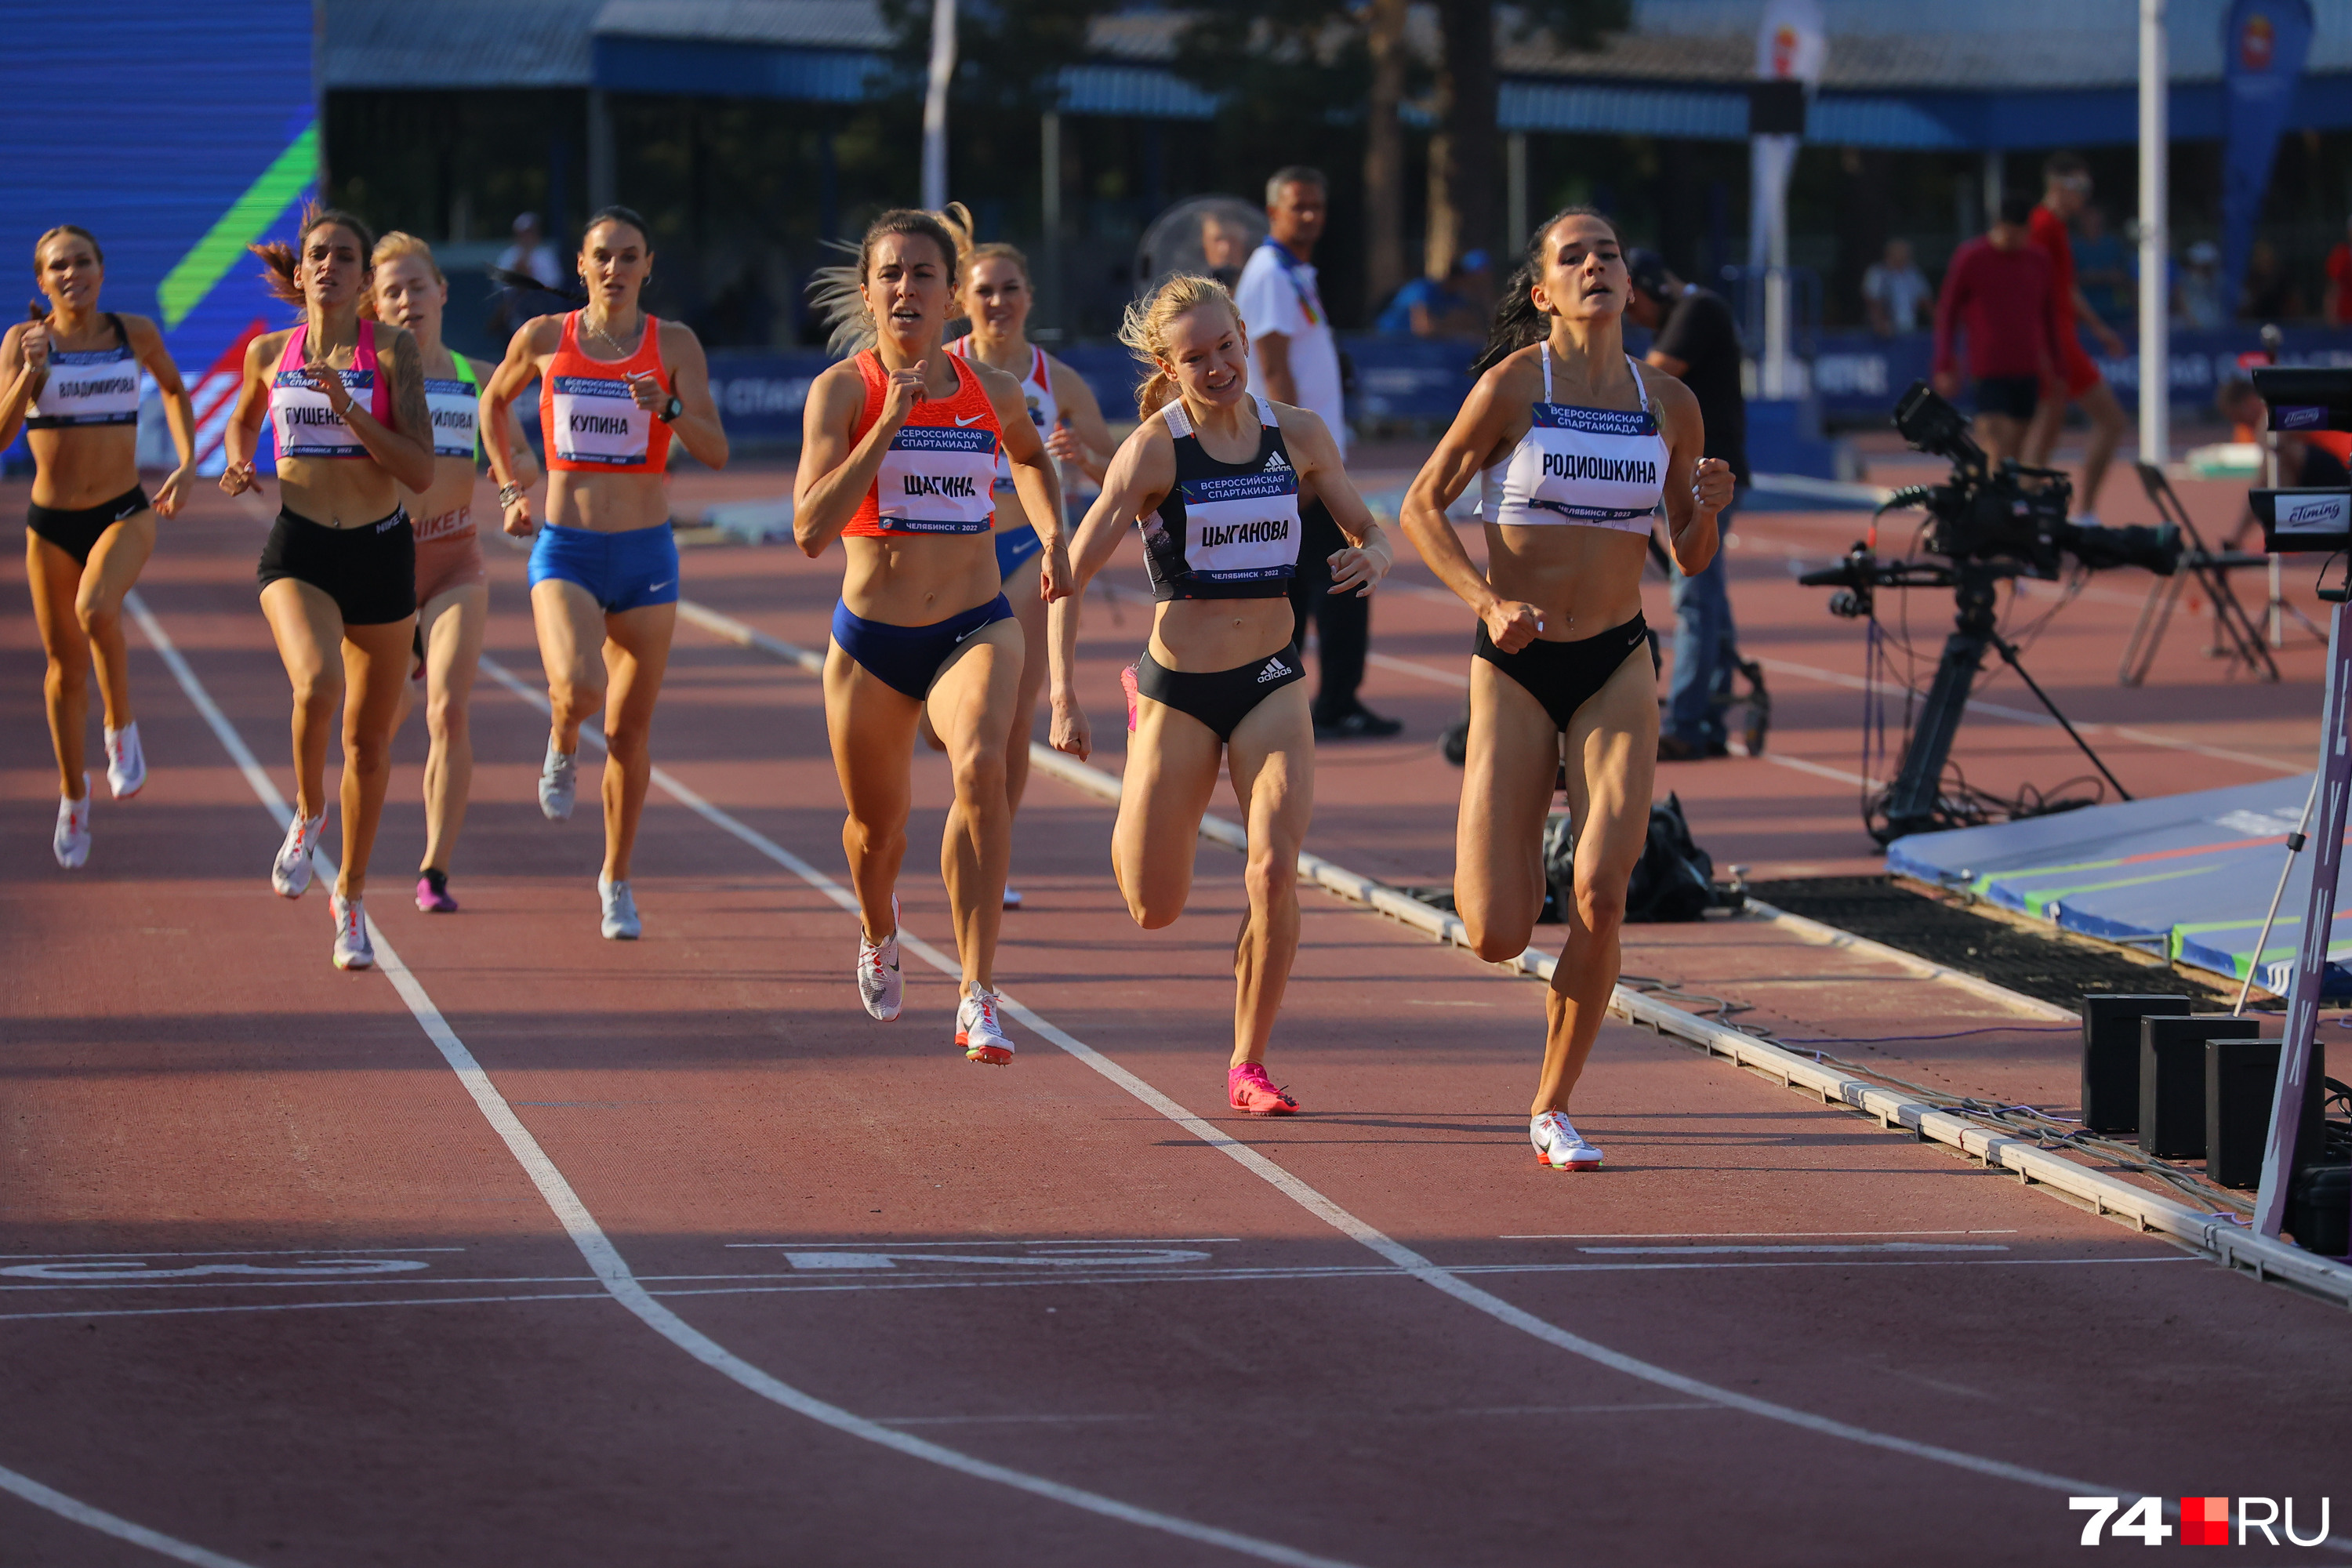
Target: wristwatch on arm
670 410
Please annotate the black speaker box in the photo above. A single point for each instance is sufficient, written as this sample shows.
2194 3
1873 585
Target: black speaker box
2172 1079
2111 1056
2240 1076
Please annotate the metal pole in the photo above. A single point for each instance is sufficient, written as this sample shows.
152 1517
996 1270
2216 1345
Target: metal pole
1515 195
1995 183
935 104
2334 787
604 180
1049 176
2155 242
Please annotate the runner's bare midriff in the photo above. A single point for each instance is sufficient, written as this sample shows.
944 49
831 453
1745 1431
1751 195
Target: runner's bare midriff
1584 580
1211 635
919 580
605 503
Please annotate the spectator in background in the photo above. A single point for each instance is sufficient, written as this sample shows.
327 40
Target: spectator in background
2103 266
2196 291
1224 246
1295 359
532 255
2066 191
1697 344
1998 291
1438 308
2339 280
2268 293
1894 289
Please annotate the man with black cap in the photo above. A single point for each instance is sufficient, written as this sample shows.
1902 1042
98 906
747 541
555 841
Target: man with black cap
1697 343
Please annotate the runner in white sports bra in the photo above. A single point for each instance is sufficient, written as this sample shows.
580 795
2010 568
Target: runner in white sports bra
1577 445
995 293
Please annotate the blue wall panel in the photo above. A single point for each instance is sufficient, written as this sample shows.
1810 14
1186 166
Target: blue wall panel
148 122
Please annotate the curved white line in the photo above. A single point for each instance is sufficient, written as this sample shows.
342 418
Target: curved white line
605 1259
106 1523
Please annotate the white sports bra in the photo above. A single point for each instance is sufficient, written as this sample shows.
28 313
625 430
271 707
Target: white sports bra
1037 391
1590 468
87 386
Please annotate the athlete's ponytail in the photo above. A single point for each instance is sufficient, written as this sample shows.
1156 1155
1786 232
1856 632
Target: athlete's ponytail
282 262
1516 322
39 309
1144 330
838 292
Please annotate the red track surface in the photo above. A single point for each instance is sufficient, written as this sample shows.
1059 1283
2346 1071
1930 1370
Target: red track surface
190 1087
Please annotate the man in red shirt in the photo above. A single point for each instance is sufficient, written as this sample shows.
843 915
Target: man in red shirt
1997 290
2066 189
2339 281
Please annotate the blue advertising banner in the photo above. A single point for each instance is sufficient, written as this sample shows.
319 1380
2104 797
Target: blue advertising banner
209 141
2263 45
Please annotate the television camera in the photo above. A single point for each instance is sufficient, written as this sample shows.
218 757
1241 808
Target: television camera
1988 522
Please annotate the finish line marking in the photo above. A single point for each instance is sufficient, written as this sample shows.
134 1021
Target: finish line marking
605 1259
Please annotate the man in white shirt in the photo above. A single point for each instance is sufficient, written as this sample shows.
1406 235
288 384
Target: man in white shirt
1295 359
1894 289
530 254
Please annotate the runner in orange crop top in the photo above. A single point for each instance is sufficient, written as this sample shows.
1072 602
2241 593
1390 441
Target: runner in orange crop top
616 384
898 462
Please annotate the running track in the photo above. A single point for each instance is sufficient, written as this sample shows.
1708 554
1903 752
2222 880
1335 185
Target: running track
533 1247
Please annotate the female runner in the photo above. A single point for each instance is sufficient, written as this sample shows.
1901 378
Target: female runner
1577 444
453 594
1215 475
72 380
616 383
996 296
899 463
347 397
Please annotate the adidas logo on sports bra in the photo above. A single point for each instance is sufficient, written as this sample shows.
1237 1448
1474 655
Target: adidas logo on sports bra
1274 670
1274 460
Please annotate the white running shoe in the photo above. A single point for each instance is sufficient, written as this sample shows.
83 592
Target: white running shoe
290 872
879 985
1559 1145
621 922
353 949
557 776
126 764
979 1033
72 839
1011 897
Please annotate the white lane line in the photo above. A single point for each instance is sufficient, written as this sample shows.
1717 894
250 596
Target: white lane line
604 1260
1730 1234
249 1252
1455 679
831 1283
1339 1219
113 1524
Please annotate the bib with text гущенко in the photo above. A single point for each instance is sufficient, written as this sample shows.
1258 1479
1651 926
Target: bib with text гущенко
938 478
598 422
307 425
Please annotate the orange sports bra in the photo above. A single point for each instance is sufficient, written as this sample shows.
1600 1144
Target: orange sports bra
940 474
588 420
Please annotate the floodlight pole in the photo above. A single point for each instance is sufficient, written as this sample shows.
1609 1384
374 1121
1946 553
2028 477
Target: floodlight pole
2155 243
935 104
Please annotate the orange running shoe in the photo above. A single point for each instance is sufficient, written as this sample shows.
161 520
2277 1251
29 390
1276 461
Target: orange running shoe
1254 1094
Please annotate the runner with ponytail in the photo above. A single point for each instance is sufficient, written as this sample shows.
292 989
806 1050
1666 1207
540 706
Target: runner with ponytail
453 592
1576 445
70 378
346 397
900 464
616 384
995 293
1215 476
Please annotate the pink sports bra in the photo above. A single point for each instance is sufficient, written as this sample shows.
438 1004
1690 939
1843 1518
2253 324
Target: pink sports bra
306 426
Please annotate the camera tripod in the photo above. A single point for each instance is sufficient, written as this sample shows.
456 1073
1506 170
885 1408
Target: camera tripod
1914 803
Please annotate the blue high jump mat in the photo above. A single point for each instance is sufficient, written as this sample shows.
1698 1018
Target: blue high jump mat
2189 876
